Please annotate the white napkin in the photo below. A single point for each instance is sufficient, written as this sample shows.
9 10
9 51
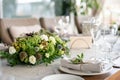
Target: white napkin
93 66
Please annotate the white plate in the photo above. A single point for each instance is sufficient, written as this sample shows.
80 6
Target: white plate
62 77
76 72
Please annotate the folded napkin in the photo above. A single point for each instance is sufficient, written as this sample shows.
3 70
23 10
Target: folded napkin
94 66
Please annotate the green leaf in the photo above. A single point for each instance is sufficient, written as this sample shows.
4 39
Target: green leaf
51 48
13 59
82 55
4 54
78 59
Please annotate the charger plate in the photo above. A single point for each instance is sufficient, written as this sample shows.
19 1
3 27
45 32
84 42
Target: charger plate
77 72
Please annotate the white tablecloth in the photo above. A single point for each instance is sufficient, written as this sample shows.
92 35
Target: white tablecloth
24 72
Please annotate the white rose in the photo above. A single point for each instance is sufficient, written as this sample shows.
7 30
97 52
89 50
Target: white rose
32 59
47 55
52 39
12 50
44 37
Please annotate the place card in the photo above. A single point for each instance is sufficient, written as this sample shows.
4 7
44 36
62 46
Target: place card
77 42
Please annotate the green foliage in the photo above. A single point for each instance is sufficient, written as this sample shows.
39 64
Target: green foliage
78 59
36 48
70 6
90 4
12 59
4 54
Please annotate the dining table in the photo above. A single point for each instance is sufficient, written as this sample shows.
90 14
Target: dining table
37 72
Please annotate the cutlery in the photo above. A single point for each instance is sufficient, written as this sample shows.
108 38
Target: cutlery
116 66
116 62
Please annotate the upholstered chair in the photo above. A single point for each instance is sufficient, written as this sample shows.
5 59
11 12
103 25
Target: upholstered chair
6 24
49 23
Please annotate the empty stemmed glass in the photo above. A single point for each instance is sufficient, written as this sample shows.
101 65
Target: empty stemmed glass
95 33
60 25
111 37
63 26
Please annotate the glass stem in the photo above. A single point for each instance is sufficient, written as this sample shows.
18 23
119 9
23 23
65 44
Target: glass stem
109 55
95 49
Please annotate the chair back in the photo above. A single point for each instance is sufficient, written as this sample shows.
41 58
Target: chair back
50 23
5 24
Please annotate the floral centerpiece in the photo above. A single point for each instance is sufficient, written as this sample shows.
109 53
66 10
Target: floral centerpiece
36 48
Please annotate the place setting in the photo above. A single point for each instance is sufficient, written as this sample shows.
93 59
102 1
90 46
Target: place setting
92 66
78 66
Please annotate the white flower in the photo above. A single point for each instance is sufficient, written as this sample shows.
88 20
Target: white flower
44 37
12 50
47 55
32 59
52 39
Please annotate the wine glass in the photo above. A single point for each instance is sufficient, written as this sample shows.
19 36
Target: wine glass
63 26
95 33
111 38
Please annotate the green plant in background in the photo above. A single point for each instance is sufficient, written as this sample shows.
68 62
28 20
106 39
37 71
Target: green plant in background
90 4
36 48
78 59
83 9
66 7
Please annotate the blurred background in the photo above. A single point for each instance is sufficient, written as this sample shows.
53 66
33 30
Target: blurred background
51 8
106 9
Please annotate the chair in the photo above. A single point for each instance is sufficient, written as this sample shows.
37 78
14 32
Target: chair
49 23
5 24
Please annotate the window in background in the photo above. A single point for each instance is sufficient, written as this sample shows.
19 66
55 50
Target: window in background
28 1
28 8
110 12
0 8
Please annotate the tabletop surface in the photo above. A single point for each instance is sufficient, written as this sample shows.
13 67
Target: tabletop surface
40 71
24 72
